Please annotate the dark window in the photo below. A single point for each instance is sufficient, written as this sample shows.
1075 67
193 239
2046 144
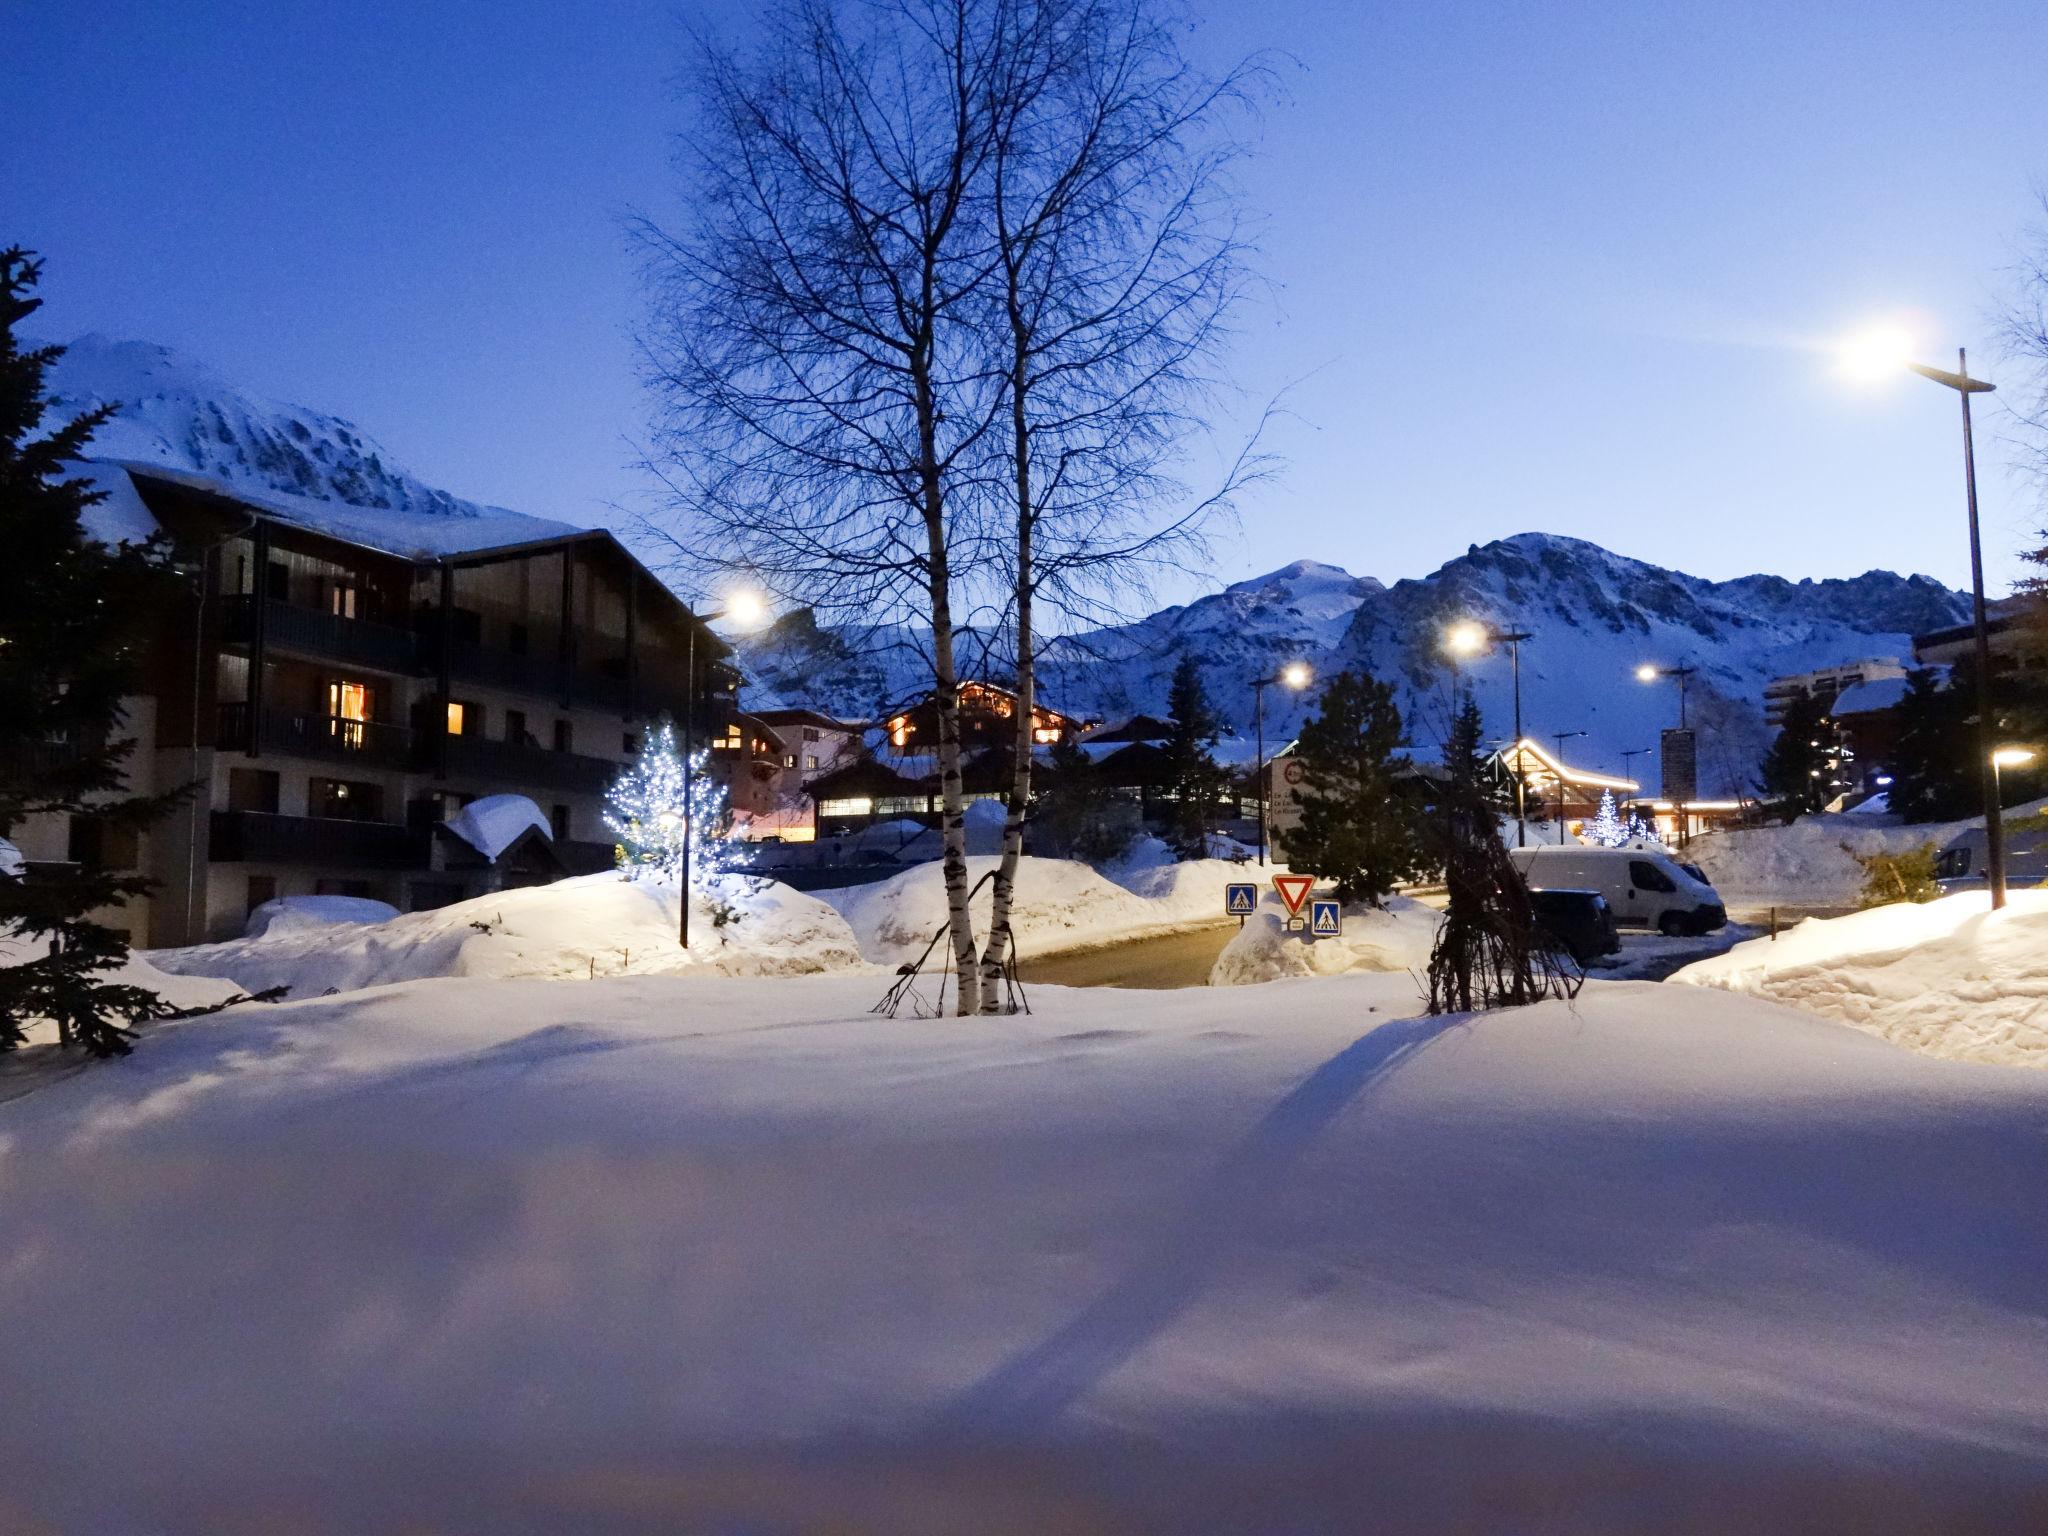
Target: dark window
515 728
558 818
630 744
1647 876
262 888
359 888
565 736
97 845
252 789
517 638
466 626
280 582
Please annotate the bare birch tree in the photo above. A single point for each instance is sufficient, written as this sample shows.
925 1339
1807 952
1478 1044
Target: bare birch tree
822 389
1117 263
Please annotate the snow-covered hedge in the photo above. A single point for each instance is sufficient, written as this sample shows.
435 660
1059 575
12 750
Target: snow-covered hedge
1397 937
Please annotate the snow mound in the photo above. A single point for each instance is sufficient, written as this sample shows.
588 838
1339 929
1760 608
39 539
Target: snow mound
738 1255
11 862
1811 863
1060 904
1950 978
493 823
983 822
594 925
1397 937
300 914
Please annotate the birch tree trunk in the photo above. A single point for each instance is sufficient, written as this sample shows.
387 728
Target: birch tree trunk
1005 884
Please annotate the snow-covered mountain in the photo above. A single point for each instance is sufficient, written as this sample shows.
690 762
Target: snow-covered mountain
1595 615
179 412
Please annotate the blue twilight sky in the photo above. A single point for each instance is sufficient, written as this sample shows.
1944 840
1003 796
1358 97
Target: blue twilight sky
1535 266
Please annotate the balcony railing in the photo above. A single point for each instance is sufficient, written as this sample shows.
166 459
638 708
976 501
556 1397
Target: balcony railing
506 762
330 738
315 632
258 837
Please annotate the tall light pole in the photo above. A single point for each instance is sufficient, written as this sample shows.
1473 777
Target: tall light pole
746 608
1629 753
1465 639
1987 766
1561 737
1294 675
1650 672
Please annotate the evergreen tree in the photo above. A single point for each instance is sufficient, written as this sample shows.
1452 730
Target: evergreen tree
1357 828
1465 753
74 620
1796 771
1076 812
1933 756
1194 781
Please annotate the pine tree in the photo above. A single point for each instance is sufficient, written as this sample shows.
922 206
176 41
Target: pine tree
1933 755
1194 781
1357 827
74 621
1076 812
1465 753
1797 770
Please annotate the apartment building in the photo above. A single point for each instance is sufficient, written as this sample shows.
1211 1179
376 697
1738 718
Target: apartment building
1825 684
346 679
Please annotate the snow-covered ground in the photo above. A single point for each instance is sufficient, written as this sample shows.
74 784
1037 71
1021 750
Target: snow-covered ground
1950 978
1812 862
654 1254
594 925
1397 937
1060 904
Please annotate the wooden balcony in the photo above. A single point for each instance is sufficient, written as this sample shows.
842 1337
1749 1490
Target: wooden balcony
330 738
258 837
315 632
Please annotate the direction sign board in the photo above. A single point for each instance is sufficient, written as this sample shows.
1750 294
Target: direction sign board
1325 920
1240 899
1293 891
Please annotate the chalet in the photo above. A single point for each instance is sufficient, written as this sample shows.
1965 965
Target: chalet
987 716
344 680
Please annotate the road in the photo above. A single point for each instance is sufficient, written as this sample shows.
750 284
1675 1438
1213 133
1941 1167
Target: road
1170 960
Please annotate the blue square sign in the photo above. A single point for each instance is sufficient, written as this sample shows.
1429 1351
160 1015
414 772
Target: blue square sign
1240 900
1325 920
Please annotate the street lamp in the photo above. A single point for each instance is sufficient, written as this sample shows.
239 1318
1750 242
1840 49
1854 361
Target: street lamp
1650 672
743 608
1467 639
1295 675
2002 757
1561 737
1987 767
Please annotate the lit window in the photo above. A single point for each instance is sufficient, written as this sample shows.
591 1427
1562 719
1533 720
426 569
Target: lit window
348 701
789 760
810 762
1046 734
456 712
854 807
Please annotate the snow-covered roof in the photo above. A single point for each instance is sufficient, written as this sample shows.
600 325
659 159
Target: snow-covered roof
414 535
1867 698
494 823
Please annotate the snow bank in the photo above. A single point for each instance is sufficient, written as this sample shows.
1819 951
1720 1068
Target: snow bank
681 1255
595 925
1806 864
1397 937
1950 978
1059 904
299 914
492 823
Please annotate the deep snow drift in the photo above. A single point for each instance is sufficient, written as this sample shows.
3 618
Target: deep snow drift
1060 904
1951 977
594 925
656 1255
1397 937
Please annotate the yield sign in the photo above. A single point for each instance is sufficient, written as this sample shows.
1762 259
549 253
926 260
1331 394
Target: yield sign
1293 891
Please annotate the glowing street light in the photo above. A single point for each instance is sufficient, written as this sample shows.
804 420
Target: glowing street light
2011 757
744 609
1297 676
1874 355
1468 637
1650 672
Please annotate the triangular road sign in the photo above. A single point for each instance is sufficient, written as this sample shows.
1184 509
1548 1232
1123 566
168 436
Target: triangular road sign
1293 891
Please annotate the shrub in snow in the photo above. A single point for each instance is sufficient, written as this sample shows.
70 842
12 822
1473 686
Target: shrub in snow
1890 877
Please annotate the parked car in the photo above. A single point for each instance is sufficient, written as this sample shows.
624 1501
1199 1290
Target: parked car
1644 888
1580 921
1960 866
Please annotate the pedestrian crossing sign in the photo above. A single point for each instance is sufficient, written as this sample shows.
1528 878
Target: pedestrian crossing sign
1325 920
1240 899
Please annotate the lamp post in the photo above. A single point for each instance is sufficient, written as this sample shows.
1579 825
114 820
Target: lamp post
1294 675
1561 737
746 608
1987 758
1650 672
1465 639
2002 757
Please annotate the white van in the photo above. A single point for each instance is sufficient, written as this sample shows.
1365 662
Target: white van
1645 889
1963 860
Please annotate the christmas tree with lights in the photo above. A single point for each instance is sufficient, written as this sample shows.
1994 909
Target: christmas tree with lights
1606 829
654 806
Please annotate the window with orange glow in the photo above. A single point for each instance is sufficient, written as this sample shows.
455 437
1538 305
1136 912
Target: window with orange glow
348 701
456 714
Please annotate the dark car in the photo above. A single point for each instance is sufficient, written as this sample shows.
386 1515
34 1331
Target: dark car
1580 921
